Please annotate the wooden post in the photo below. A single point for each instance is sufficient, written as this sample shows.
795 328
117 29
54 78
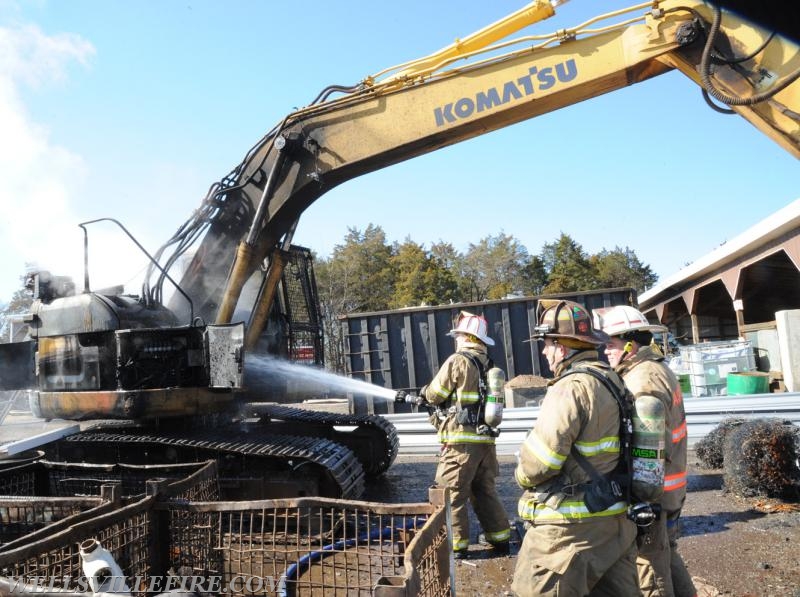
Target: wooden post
738 307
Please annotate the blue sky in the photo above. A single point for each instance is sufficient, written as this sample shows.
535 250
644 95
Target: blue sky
131 110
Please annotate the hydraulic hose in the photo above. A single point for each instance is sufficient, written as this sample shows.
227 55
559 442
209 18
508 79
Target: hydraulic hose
293 571
705 73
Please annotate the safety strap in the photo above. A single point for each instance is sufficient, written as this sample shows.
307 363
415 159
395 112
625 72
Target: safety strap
625 433
482 384
474 414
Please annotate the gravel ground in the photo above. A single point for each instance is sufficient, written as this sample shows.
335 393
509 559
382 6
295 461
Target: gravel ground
732 547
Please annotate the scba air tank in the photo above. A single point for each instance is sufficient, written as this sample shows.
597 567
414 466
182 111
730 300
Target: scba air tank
493 411
649 421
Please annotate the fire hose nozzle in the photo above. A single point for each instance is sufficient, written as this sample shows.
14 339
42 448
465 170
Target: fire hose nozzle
403 397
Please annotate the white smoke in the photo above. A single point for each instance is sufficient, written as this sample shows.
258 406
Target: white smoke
38 177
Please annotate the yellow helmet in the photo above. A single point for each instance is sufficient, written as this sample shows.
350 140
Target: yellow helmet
568 322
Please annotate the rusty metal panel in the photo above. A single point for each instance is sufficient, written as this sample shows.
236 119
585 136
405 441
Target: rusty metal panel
403 349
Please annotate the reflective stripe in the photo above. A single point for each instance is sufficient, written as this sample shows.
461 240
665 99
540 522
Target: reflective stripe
679 433
499 536
544 454
464 437
566 511
437 389
469 397
459 544
606 445
676 481
442 392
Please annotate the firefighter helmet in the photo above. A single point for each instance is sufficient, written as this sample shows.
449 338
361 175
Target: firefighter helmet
568 322
473 325
622 319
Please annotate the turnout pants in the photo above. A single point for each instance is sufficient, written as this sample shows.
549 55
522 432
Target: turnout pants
470 470
662 572
596 558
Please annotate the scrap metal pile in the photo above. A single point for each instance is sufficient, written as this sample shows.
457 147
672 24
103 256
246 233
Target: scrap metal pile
759 457
710 449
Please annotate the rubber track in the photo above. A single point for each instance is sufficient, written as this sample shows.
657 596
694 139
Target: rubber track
300 415
338 460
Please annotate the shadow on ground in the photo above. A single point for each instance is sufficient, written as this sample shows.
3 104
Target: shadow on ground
717 522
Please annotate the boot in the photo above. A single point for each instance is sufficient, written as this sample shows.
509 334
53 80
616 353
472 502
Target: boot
498 549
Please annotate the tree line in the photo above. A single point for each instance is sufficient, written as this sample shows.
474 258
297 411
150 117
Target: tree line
368 273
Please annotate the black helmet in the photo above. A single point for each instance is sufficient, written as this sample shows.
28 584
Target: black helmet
569 322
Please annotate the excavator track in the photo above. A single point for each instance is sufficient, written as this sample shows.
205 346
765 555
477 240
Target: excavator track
373 439
334 469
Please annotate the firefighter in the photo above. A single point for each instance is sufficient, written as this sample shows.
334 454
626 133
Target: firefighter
579 540
661 569
468 462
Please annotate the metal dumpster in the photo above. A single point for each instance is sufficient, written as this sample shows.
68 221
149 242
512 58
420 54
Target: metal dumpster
403 349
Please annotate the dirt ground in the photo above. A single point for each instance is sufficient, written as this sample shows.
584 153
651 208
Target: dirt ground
731 546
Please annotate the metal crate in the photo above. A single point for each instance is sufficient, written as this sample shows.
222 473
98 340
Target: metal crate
22 516
313 547
24 520
124 531
301 547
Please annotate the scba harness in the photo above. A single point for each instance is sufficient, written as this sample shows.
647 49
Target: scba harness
605 490
471 415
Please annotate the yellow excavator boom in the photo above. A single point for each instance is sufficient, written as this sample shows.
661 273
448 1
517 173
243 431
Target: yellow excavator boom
470 88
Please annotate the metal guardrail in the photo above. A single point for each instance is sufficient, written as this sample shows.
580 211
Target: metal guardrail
417 436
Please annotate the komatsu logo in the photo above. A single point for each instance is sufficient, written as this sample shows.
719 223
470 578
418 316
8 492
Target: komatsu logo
536 80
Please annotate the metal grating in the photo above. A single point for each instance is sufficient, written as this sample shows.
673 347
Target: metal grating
124 532
300 306
301 547
427 551
200 486
21 516
304 547
19 480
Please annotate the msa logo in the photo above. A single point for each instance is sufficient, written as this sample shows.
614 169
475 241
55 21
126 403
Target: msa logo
536 80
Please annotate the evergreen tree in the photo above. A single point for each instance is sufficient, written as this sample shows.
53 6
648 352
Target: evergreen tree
496 266
621 267
568 266
357 277
453 261
534 276
420 278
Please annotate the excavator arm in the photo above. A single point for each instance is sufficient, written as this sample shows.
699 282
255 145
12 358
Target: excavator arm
461 92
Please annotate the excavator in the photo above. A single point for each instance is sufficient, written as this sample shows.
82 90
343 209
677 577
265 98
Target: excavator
167 380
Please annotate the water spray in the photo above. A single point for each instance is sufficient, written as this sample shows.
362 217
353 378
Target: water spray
268 374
